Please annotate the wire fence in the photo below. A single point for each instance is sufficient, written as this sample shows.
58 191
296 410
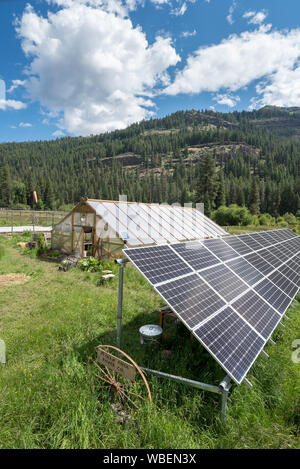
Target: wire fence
17 217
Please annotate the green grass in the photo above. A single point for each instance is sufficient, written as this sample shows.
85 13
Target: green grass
50 326
236 230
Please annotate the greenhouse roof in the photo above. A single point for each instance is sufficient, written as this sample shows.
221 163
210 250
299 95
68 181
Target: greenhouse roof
145 224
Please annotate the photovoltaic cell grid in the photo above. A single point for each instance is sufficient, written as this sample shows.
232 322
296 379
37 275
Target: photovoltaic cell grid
196 255
220 249
258 313
225 282
230 292
191 299
158 263
231 341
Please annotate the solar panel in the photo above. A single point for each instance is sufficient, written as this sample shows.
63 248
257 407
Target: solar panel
238 245
290 274
225 282
220 249
280 252
191 298
278 235
294 243
231 293
233 343
158 263
286 233
283 283
250 241
258 313
245 271
196 255
264 238
261 240
268 256
259 263
294 263
273 295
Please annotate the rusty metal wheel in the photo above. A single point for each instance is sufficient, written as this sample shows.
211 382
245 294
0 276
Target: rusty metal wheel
114 370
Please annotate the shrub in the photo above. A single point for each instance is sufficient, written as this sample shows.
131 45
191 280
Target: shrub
40 244
280 221
90 264
232 215
267 219
290 218
255 220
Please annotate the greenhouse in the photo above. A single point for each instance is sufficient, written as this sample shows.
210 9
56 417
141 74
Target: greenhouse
102 228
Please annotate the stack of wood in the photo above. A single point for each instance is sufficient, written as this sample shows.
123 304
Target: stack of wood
107 274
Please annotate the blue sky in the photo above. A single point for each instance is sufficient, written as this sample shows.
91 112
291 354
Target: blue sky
81 67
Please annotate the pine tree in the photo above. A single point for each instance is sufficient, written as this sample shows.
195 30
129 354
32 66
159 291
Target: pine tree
220 197
184 196
254 200
48 195
207 185
5 186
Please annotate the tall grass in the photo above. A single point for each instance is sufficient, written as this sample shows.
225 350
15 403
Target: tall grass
51 325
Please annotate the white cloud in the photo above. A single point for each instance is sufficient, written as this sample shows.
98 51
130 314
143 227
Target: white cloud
16 84
282 89
11 104
180 10
160 2
93 68
226 99
120 7
270 56
188 33
255 17
58 133
231 11
25 124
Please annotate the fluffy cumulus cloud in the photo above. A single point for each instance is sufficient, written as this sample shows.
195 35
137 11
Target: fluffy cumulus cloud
255 17
227 99
91 67
282 89
11 104
6 104
272 57
121 7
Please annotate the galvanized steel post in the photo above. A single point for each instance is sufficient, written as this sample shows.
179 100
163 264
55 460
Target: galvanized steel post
224 387
120 263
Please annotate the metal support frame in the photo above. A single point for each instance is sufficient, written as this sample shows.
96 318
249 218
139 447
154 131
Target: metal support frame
224 386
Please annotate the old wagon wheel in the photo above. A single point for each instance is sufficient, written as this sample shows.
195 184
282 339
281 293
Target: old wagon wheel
114 370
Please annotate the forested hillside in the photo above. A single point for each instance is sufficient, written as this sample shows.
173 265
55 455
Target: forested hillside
247 158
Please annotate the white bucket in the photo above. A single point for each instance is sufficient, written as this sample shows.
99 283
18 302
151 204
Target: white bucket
150 334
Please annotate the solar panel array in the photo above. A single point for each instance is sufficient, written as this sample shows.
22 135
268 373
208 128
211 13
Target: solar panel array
230 292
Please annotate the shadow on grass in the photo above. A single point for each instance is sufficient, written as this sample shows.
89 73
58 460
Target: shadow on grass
178 354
